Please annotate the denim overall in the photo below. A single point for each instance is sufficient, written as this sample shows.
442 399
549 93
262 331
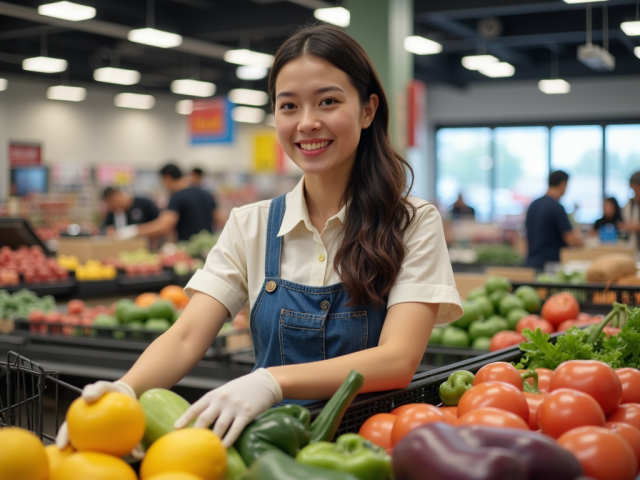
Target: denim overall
293 323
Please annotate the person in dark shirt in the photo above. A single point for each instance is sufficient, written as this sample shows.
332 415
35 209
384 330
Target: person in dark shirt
461 210
124 209
190 209
612 215
548 227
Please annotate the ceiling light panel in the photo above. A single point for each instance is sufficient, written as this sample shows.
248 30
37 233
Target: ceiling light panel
498 70
3 84
248 97
184 107
195 88
248 72
335 15
73 12
134 100
247 115
248 57
476 62
119 76
155 38
421 46
554 86
631 28
66 93
44 64
583 1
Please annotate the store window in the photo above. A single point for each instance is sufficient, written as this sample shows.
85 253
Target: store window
578 151
464 167
622 159
521 169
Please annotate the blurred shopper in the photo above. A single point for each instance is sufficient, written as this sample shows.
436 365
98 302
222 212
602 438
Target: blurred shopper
198 181
124 209
631 213
461 210
196 177
548 226
190 210
611 219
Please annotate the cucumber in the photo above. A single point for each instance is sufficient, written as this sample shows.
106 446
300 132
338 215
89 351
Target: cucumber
161 410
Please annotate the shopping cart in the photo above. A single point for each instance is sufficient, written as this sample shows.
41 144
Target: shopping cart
23 384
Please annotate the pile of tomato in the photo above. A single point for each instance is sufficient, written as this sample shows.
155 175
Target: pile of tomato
587 407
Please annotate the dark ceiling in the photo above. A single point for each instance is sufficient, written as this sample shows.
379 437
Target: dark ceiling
533 31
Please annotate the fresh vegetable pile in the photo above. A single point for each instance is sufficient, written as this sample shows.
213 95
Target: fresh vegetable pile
21 303
28 265
199 245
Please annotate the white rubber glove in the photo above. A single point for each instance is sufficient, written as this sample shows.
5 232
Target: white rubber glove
234 405
91 394
127 232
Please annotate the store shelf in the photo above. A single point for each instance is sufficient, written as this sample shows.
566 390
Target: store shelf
58 289
145 283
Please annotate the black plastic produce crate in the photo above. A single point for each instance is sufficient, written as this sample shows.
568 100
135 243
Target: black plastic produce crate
594 298
22 388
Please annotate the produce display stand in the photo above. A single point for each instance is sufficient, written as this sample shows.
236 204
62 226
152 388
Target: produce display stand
60 288
438 356
15 232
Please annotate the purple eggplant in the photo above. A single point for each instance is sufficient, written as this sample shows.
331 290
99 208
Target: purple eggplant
438 451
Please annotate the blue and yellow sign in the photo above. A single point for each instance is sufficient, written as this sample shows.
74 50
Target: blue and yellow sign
210 121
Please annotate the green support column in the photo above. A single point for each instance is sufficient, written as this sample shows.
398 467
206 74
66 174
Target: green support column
381 26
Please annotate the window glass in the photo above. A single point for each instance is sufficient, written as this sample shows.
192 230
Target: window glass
464 167
521 169
623 159
578 151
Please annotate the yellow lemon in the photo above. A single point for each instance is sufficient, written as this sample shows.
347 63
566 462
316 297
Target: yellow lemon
174 476
22 455
94 466
56 456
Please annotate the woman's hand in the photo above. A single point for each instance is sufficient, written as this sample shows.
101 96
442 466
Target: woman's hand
234 405
91 394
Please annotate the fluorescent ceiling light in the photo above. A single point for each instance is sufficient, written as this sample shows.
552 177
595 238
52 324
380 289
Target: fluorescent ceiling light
336 15
498 70
421 46
156 38
247 115
195 88
247 72
476 62
248 57
134 100
44 64
66 93
184 107
270 120
583 1
631 28
248 97
67 11
637 51
120 76
3 84
554 86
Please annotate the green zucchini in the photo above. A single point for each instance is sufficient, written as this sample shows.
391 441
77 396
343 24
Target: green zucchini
161 410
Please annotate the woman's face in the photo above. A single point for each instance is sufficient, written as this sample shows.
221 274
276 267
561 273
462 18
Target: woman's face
609 210
319 116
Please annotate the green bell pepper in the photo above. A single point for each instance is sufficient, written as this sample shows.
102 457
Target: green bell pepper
235 465
487 328
351 454
455 386
288 428
275 465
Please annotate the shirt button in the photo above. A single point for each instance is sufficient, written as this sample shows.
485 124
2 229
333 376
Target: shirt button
321 257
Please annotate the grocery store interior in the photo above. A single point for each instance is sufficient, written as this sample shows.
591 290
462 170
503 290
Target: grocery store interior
134 133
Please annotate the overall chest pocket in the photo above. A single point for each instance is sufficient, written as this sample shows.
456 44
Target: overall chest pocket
306 337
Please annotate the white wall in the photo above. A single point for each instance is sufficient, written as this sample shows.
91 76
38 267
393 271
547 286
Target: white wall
521 101
96 131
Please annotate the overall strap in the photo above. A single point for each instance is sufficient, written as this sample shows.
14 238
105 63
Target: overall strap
274 243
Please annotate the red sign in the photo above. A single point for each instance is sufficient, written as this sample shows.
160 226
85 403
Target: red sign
210 121
417 112
25 155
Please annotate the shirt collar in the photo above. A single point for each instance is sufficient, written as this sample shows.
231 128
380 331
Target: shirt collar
296 211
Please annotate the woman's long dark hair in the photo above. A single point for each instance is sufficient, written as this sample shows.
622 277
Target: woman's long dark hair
378 212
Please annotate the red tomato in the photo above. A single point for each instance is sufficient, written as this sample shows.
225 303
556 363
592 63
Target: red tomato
591 377
399 410
544 376
609 331
630 380
377 429
560 307
492 417
498 372
564 409
505 339
602 454
412 418
626 413
496 395
532 322
450 414
534 401
74 307
630 433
